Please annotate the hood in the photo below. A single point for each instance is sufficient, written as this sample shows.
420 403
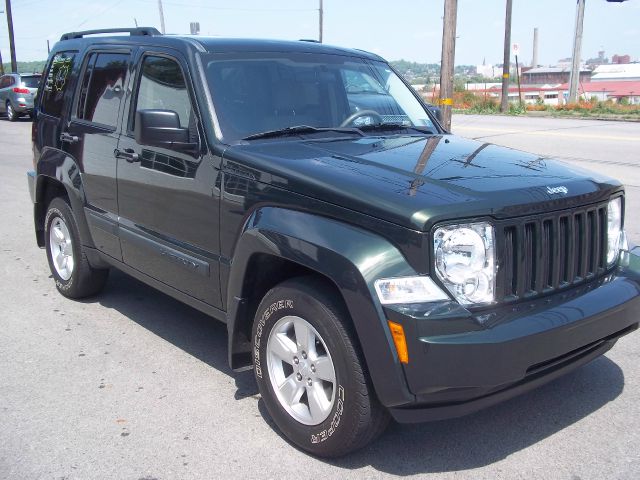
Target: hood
417 181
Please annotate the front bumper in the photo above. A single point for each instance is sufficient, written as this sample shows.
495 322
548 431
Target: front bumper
461 362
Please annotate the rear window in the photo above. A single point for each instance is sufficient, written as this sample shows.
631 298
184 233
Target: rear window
30 82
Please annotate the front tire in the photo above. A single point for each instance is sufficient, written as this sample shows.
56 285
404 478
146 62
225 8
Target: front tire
310 372
74 276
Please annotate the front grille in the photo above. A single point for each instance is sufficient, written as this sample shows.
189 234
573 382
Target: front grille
548 252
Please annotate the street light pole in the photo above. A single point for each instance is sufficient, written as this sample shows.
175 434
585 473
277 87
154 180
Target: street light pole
577 47
161 12
320 21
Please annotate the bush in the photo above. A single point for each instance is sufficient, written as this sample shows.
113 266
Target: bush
469 101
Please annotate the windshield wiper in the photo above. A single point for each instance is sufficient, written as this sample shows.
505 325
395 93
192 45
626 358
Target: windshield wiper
395 126
301 129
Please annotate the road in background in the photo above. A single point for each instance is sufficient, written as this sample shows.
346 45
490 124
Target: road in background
134 385
608 147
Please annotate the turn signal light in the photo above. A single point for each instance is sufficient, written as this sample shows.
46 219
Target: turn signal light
20 90
397 332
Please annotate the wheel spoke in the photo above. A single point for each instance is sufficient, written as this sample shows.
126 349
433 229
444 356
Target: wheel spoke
283 347
291 390
304 336
60 261
324 369
57 231
70 264
317 402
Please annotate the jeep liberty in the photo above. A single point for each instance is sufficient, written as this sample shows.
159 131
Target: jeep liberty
368 264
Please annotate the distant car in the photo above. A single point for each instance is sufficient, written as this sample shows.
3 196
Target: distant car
17 92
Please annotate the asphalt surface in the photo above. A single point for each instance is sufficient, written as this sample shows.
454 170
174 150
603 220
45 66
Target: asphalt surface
134 385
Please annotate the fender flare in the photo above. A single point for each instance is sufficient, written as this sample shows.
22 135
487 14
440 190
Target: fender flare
59 168
351 258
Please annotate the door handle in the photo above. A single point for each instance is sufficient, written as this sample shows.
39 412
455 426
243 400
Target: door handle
67 138
128 154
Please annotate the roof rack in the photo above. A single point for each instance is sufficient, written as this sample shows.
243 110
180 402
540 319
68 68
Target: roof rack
138 31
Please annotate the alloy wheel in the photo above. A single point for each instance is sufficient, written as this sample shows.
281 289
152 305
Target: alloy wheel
301 370
61 248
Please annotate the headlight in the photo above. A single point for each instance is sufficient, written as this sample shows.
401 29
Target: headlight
408 290
614 229
465 262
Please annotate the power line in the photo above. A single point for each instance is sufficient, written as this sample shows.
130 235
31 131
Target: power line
234 9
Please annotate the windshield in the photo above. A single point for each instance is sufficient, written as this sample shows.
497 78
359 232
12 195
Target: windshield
256 93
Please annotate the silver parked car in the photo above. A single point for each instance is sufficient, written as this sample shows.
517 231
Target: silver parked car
17 92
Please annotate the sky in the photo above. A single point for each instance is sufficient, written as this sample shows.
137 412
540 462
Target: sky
399 29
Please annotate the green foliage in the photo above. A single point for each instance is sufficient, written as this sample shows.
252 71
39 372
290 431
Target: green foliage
459 84
416 69
516 108
26 67
485 105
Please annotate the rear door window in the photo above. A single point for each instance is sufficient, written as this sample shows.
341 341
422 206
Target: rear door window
102 88
57 82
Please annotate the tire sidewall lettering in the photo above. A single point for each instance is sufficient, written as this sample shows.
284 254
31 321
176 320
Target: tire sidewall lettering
266 314
335 421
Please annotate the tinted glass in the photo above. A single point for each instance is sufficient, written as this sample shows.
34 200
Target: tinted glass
163 87
6 81
30 82
57 82
103 87
258 93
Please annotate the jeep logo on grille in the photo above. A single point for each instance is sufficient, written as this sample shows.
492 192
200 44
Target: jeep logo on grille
553 190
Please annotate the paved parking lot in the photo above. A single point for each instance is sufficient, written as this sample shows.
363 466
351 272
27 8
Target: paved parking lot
134 385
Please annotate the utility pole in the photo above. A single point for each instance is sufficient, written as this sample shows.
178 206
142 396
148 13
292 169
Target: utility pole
1 64
447 62
577 48
161 16
506 61
12 45
320 21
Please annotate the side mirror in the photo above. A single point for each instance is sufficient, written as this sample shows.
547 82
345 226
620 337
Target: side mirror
161 128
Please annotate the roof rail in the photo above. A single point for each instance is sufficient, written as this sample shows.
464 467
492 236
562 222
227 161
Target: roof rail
138 31
310 40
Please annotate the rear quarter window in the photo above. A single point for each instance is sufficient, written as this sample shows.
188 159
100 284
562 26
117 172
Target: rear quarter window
56 83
